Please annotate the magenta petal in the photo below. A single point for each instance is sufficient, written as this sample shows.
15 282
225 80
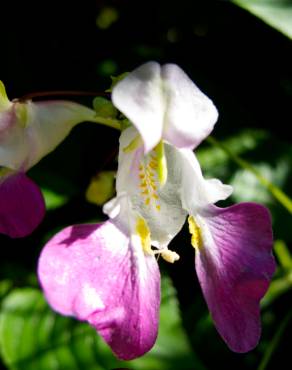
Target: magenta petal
22 206
92 272
234 267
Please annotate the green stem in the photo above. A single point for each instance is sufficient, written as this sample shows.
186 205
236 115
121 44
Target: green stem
274 190
275 342
110 122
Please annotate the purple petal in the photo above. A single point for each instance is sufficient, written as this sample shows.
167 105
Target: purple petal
235 266
22 206
92 272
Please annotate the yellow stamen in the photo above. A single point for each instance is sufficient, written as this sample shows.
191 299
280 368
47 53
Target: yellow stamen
143 231
169 256
161 163
196 233
153 165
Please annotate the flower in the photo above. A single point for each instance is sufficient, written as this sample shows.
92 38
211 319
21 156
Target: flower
28 132
107 273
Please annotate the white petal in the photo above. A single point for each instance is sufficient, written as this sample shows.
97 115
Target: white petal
51 122
14 146
29 131
197 192
189 114
139 96
162 102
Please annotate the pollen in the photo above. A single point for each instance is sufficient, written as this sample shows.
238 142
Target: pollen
195 231
153 165
143 184
169 256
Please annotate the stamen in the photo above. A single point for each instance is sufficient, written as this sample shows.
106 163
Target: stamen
148 177
167 255
143 231
161 163
195 231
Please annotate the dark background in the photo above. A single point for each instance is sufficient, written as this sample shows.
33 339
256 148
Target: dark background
240 62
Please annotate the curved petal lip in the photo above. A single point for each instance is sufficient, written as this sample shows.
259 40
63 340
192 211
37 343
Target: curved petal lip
234 267
95 273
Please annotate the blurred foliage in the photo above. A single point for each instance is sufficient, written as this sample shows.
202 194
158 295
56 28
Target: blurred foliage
33 337
277 13
244 65
101 188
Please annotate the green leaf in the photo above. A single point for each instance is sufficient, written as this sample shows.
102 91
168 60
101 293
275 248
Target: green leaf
5 286
172 349
283 254
277 288
33 337
276 13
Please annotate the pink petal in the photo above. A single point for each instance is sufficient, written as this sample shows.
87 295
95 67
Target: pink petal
92 272
234 267
22 206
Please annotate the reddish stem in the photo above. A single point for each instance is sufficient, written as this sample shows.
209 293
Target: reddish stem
41 94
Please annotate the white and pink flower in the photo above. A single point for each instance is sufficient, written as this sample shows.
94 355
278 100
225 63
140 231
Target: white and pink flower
28 132
108 275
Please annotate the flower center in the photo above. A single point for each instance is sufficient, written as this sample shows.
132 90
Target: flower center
143 232
149 180
153 175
